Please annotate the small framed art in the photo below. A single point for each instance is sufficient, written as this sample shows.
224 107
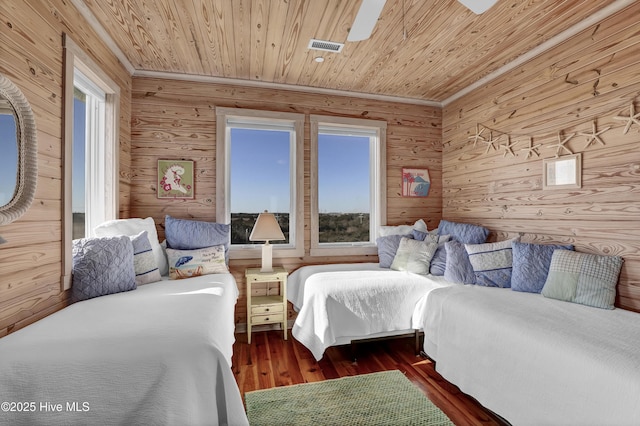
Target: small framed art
175 179
562 172
415 182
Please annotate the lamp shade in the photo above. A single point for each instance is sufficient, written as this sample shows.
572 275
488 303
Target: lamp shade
266 228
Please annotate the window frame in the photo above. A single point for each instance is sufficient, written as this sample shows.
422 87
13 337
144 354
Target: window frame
378 168
108 155
295 248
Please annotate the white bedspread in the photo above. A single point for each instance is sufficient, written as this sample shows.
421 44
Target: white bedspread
354 302
537 361
157 355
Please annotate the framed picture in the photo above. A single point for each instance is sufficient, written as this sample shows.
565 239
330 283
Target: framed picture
562 172
415 182
175 179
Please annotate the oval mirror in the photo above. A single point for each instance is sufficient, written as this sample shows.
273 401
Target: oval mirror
18 161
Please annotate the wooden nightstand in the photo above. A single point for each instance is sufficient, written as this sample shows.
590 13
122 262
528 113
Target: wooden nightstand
268 309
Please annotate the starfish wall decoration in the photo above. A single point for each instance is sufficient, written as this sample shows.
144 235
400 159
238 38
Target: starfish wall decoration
531 148
508 147
478 136
490 142
633 118
560 146
594 136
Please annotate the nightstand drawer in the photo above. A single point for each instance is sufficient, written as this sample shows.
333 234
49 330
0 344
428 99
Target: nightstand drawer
267 277
267 319
266 309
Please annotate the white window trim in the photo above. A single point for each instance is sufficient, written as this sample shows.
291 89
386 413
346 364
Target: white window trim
76 58
378 189
223 208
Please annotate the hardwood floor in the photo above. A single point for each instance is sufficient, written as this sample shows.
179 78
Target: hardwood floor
271 361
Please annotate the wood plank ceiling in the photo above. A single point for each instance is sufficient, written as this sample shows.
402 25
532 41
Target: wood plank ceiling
446 47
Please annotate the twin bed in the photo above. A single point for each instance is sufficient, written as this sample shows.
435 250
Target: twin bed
160 354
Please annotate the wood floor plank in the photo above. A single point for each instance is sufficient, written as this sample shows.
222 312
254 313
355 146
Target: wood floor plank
271 361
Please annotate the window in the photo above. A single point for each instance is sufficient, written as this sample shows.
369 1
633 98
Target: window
348 197
259 168
91 102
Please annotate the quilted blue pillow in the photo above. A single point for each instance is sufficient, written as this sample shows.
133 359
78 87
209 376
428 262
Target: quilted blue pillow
388 247
439 261
102 266
458 268
491 263
531 265
465 233
183 234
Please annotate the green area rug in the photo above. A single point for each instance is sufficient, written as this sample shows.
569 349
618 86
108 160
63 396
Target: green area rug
386 398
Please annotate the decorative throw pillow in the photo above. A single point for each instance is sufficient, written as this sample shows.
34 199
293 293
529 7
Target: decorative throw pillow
458 269
131 227
414 256
587 279
102 266
387 248
439 260
193 263
531 265
386 230
492 263
144 261
465 233
183 234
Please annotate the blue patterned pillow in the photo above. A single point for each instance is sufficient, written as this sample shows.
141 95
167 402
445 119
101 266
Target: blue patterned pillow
183 234
458 269
465 233
492 263
102 266
439 261
387 248
531 265
587 279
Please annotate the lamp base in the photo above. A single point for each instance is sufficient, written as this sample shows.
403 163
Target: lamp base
267 256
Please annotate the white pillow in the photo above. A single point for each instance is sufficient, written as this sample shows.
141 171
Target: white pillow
132 227
387 230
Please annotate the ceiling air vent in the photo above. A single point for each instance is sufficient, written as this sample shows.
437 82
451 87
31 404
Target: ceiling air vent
328 46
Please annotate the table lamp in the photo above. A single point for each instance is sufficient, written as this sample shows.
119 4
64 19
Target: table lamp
266 229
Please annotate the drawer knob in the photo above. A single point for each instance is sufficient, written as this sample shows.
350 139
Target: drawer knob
266 310
266 319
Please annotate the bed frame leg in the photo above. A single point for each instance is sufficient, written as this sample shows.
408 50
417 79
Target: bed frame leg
354 354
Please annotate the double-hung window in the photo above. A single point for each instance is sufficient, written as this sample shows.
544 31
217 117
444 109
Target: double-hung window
91 149
348 195
259 167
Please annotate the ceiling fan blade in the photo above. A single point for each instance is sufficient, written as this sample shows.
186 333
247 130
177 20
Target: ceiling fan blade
478 6
366 19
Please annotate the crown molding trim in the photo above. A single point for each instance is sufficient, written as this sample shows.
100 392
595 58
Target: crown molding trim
282 86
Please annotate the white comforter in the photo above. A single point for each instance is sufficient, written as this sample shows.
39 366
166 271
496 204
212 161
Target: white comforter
537 361
345 302
160 354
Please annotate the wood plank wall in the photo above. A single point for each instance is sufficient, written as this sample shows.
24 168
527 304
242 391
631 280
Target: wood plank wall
174 119
31 56
590 78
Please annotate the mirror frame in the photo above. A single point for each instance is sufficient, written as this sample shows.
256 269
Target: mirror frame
27 153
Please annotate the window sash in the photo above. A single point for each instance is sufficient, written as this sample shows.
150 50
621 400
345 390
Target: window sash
227 118
376 131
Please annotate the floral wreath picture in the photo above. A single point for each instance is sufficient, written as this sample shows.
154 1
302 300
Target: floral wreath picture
415 182
175 179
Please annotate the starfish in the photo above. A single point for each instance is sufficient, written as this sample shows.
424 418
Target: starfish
508 147
531 149
594 136
478 136
633 118
561 144
490 142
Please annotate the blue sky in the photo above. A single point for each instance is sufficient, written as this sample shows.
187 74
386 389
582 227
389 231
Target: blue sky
78 183
9 158
260 172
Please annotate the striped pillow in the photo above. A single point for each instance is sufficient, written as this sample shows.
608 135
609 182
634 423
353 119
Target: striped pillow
492 263
587 279
144 261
